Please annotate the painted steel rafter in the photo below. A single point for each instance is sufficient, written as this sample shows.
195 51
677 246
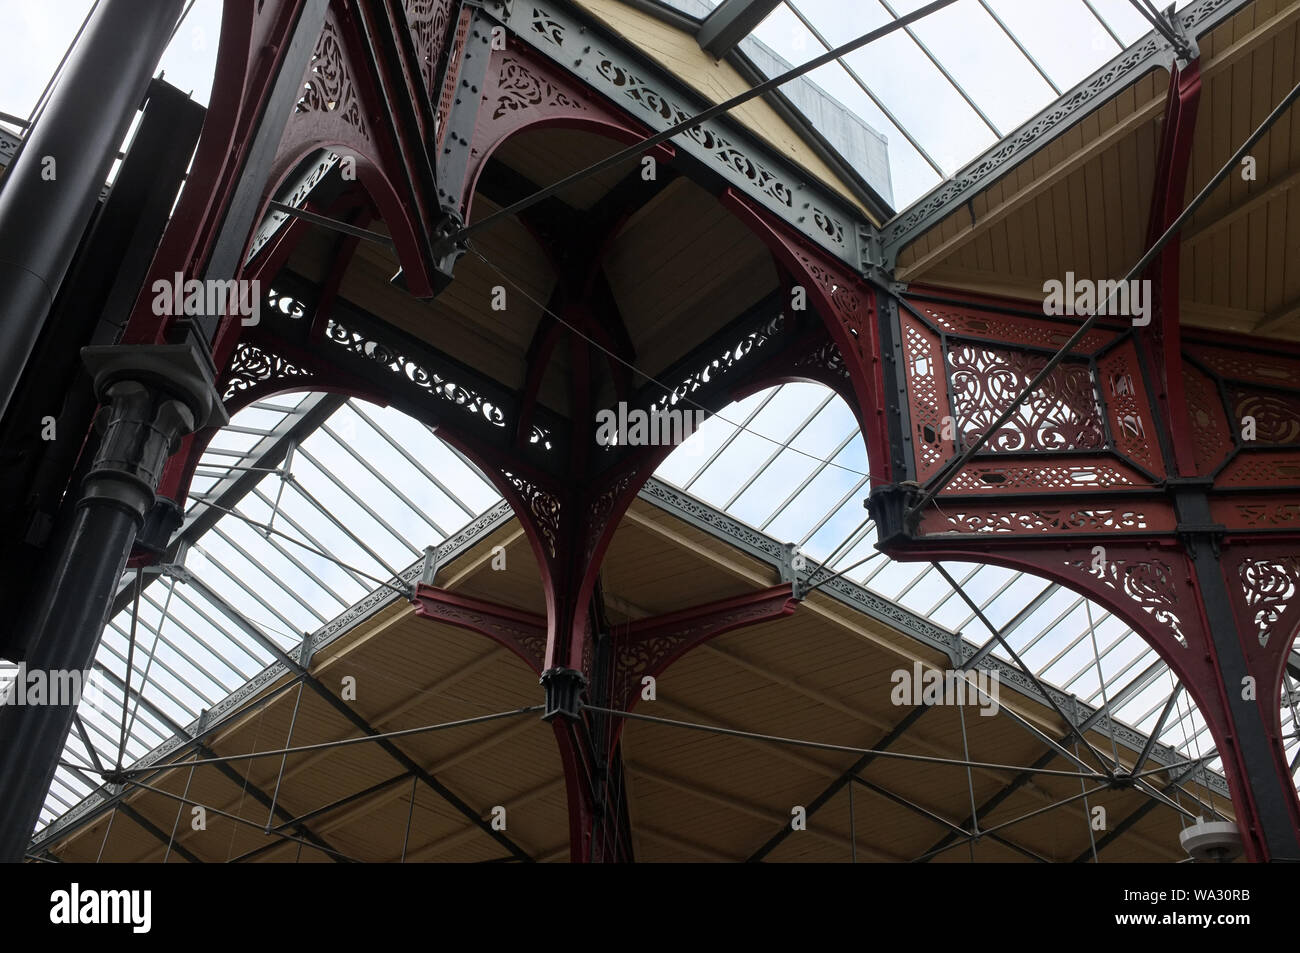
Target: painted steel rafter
301 668
202 750
718 523
292 428
145 824
248 693
730 22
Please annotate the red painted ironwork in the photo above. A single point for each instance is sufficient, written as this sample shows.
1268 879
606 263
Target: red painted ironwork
1166 204
646 647
521 632
447 96
345 107
525 92
241 83
1107 478
847 304
1081 486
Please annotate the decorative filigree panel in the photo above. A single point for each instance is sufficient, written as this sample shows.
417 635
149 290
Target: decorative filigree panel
1151 583
1041 520
285 304
1275 416
1211 440
1268 370
1131 424
519 88
1269 587
429 22
827 358
725 148
251 366
587 666
1012 329
540 436
927 394
448 93
602 507
1265 515
329 87
1061 477
525 638
716 521
648 98
1062 414
626 86
851 310
413 372
717 368
543 506
297 197
1263 469
646 648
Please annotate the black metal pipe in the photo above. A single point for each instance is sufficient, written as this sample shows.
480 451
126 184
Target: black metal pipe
53 185
68 618
71 628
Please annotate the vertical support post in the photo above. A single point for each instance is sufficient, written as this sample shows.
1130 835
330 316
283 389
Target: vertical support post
154 393
152 397
1264 799
111 265
52 186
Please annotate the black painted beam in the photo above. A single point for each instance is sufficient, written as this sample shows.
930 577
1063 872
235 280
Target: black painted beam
730 22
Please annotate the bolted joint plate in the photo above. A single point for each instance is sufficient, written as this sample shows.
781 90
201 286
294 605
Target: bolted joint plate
447 248
160 525
564 688
890 507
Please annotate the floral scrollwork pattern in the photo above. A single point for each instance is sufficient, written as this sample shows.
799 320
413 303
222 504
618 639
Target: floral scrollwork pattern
520 89
329 87
1149 583
415 373
543 506
1062 414
251 365
1270 587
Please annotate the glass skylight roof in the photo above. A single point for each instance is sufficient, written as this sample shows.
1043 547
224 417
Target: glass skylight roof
955 82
